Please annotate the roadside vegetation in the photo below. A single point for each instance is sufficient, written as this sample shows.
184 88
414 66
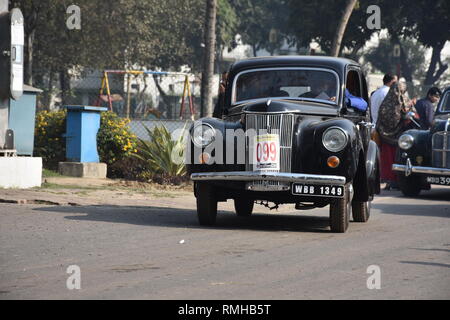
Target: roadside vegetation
127 156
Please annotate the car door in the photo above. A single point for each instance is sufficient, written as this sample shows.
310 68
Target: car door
356 84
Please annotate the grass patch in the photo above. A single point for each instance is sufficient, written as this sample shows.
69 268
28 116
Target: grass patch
46 173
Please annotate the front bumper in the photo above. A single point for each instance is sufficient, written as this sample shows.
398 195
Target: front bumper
408 169
269 176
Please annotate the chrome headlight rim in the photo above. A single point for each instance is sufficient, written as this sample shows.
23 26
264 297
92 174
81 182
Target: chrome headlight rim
326 134
195 141
405 141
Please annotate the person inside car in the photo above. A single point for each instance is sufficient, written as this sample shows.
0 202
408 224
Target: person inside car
322 87
354 102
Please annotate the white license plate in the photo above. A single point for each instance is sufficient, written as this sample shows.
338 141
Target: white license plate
266 152
317 190
439 180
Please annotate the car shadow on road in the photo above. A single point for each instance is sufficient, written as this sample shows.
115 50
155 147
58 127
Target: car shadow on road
414 209
187 218
435 194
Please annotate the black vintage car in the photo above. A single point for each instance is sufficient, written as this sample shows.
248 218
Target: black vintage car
288 133
423 156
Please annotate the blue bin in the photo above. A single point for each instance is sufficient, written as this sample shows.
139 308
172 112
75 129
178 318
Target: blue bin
83 123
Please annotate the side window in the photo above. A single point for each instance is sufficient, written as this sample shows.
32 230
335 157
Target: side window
353 83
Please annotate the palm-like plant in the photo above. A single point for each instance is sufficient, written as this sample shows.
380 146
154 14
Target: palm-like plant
161 153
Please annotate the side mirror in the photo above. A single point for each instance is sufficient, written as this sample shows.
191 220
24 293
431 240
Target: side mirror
410 116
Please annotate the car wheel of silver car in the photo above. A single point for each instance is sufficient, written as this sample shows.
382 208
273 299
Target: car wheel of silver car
243 207
206 204
361 211
340 210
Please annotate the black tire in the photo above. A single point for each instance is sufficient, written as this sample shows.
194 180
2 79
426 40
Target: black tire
340 213
409 186
243 207
361 211
206 204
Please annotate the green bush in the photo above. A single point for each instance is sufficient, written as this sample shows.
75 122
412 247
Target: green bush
115 142
48 138
158 155
114 139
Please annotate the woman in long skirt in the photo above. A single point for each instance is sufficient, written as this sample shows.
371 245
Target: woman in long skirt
390 126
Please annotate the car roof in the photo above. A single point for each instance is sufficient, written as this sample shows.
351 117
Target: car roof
335 63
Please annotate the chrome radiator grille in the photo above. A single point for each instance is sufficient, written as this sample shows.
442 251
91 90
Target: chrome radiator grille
441 149
281 124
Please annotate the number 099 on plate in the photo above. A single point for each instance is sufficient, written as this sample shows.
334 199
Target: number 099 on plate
266 154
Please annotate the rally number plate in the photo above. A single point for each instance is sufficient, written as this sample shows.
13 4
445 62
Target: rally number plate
266 155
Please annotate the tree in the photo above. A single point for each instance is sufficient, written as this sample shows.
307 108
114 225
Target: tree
335 48
318 21
381 58
257 19
208 62
114 34
426 21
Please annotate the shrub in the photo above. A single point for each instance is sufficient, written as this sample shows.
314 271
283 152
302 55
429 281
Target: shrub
114 139
158 155
115 142
49 142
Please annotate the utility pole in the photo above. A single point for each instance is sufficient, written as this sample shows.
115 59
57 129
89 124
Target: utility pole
208 58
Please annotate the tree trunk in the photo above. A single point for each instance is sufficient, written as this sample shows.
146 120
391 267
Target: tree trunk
64 81
431 76
255 50
166 99
406 68
208 62
335 48
28 74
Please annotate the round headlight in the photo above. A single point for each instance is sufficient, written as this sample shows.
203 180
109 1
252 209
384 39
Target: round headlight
334 139
405 141
203 134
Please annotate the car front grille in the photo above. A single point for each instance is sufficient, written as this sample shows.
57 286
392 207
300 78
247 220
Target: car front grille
441 149
278 123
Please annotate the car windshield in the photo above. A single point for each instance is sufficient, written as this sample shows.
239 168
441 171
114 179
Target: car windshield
297 83
445 104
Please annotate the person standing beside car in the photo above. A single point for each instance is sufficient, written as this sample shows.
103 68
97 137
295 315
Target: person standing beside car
425 107
378 96
391 123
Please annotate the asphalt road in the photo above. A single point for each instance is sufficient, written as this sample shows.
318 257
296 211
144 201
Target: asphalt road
158 251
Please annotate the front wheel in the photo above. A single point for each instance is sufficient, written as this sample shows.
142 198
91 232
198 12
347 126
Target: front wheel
361 211
243 207
340 212
409 186
206 204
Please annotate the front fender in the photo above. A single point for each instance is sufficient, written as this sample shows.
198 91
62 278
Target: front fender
421 149
219 161
310 156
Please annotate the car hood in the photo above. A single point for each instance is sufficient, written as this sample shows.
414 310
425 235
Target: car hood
287 105
439 123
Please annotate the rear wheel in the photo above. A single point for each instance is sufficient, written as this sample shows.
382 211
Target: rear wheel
340 212
409 186
361 211
243 207
206 204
